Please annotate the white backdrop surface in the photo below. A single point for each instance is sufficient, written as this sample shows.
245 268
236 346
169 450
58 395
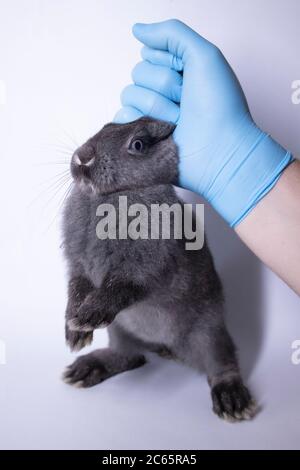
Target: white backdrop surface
62 67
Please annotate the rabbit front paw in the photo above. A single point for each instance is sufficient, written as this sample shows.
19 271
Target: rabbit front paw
90 316
77 340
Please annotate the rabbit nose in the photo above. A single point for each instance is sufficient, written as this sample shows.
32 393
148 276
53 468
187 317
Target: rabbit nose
86 159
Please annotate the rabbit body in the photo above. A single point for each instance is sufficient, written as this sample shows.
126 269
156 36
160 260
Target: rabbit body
152 294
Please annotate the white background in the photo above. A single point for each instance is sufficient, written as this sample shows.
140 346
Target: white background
63 64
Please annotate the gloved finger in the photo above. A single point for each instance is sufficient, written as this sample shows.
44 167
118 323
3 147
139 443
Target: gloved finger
127 114
172 36
162 79
150 103
162 58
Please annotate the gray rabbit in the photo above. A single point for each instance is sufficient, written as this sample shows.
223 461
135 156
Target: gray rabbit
153 294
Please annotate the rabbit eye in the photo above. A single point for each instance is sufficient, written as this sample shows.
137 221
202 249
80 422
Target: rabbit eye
137 145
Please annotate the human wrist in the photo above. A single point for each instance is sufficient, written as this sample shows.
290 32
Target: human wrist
253 165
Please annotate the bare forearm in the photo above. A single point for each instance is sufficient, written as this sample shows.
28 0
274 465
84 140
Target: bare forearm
272 229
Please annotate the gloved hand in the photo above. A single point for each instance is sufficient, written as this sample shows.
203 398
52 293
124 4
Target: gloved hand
185 79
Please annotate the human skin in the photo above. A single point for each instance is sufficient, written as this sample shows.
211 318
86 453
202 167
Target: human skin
272 229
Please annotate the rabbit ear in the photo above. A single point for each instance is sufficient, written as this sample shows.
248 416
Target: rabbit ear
160 130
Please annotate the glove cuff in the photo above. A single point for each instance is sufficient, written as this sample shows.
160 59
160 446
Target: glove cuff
246 180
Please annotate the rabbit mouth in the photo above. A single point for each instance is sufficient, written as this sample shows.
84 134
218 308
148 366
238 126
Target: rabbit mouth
86 186
82 176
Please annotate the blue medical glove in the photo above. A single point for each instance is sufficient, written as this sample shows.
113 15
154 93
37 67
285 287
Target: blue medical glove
185 79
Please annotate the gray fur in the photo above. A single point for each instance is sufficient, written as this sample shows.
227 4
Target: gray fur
153 295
